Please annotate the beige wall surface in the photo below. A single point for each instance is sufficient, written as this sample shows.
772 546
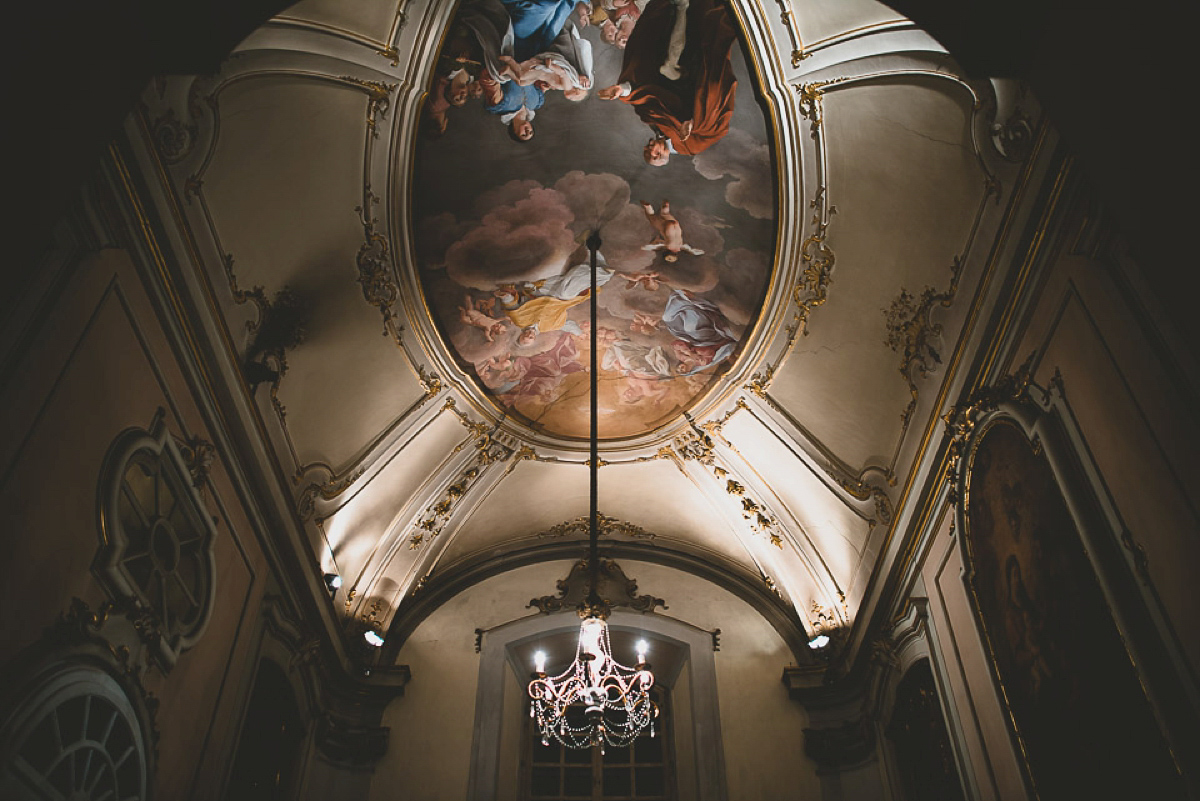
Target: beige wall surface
431 726
99 365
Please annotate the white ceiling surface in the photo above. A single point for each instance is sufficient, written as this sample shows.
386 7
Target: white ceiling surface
372 21
655 496
287 173
821 21
906 184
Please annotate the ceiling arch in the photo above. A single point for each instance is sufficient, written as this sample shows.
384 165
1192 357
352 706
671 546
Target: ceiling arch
291 167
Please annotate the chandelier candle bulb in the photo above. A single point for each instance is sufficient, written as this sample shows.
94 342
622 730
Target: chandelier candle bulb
539 663
642 648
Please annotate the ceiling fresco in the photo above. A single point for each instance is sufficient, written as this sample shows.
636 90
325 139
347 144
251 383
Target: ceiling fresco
548 120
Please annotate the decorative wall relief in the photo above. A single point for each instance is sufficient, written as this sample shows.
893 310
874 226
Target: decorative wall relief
608 526
1073 694
282 327
912 333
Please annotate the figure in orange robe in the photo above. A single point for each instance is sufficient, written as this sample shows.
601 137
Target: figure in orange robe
691 113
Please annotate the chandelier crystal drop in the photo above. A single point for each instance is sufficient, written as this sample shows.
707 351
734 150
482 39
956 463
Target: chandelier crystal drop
596 701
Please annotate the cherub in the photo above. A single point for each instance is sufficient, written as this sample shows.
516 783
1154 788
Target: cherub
472 316
548 71
453 89
644 323
639 387
669 234
649 280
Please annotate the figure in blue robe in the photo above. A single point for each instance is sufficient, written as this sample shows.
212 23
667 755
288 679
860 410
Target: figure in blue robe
536 24
514 97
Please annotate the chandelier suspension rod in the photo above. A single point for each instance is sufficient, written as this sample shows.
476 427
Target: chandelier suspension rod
593 244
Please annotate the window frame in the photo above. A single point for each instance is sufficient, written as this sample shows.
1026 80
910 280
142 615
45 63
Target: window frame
664 731
158 446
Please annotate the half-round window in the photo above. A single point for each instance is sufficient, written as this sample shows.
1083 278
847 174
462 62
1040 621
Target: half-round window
76 737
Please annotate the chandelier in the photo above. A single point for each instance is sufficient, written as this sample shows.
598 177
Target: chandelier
596 700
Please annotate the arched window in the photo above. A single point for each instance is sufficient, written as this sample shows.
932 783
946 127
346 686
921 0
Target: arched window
264 768
643 771
77 737
920 741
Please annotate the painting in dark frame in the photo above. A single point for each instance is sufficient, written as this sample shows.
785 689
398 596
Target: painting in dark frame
1075 700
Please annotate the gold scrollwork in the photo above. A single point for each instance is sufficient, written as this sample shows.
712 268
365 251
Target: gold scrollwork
695 445
961 420
379 99
328 490
752 511
487 451
912 333
607 527
788 17
812 105
374 263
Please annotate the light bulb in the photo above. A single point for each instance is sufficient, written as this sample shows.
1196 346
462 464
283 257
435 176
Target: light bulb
539 661
820 641
373 638
642 648
333 581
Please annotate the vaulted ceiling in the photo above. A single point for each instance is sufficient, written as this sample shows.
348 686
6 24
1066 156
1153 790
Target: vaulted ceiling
304 179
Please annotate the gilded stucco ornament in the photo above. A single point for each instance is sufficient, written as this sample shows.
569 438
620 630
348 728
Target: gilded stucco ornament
788 17
374 264
433 520
282 327
607 526
613 586
961 420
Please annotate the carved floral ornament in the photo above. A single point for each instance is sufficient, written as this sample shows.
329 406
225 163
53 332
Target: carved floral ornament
156 553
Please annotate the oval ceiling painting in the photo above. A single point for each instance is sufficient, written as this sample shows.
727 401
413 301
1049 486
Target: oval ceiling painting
550 119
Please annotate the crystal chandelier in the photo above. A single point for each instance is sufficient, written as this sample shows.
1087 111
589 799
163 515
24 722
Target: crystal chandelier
596 700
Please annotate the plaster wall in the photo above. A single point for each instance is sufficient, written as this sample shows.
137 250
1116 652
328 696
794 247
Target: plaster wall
1135 404
98 363
430 749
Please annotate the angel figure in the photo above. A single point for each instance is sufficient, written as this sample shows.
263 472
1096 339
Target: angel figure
668 233
649 280
476 317
644 323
